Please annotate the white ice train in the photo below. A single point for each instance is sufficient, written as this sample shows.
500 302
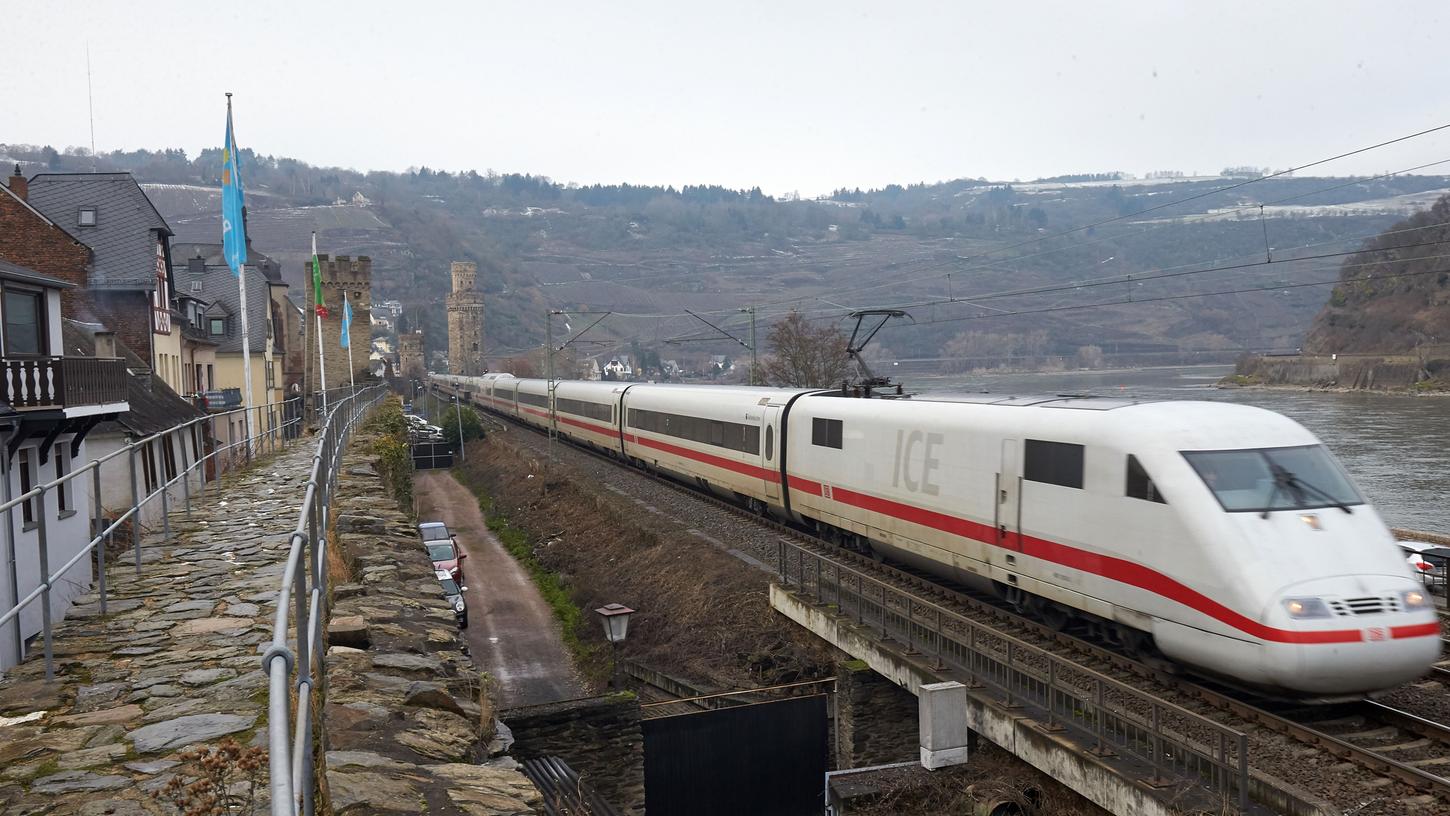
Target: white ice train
1226 534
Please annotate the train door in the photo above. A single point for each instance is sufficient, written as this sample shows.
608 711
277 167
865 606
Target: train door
1009 496
770 450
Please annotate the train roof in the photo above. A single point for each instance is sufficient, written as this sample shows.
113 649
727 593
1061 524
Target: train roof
1081 402
1189 424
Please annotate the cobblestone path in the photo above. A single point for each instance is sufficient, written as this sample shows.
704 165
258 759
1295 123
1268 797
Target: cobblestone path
175 662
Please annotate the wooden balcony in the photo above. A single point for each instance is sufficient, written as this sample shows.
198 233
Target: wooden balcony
49 383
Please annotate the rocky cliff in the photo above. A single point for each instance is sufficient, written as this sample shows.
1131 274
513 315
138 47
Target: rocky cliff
1394 295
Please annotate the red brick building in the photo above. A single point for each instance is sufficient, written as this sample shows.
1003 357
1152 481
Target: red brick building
31 240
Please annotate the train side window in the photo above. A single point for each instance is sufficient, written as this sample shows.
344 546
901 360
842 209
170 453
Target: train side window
826 432
1140 484
1058 463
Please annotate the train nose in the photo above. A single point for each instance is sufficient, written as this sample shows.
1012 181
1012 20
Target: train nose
1331 643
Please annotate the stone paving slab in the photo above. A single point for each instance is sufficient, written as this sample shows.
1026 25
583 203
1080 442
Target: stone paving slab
175 662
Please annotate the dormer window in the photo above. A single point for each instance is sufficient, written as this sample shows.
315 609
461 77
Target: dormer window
217 326
87 217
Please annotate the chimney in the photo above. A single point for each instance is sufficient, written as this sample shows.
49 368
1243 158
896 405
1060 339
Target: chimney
18 185
105 344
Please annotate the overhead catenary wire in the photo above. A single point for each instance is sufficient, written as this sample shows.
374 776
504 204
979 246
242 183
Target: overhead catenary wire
1094 225
1216 191
1191 295
1168 272
1197 218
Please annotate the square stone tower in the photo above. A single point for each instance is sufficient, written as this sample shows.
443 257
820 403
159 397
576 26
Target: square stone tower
410 355
465 322
340 274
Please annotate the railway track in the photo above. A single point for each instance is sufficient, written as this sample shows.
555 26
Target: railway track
1387 741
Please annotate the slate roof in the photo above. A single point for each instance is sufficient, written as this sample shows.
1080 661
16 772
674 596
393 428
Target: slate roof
219 290
123 241
153 405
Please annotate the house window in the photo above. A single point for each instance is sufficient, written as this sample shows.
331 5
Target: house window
196 286
217 326
271 377
148 468
27 507
86 217
1058 463
24 322
62 490
826 432
210 377
168 456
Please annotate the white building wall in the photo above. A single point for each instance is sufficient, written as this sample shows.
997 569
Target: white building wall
116 475
66 537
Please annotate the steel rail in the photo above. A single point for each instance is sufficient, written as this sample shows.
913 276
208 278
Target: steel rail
1363 756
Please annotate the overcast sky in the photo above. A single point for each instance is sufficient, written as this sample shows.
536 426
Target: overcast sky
790 96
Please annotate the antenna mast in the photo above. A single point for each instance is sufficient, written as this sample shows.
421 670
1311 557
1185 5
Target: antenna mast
91 106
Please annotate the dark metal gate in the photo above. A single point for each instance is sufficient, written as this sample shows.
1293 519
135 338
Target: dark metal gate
766 759
430 455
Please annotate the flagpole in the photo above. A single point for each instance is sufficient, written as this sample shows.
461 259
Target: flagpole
317 298
240 270
351 369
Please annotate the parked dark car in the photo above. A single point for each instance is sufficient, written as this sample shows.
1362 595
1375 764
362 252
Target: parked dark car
454 594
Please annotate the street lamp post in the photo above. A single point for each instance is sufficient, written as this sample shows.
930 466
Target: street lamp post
615 618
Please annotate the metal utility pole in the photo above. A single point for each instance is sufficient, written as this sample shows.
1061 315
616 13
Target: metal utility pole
753 356
549 371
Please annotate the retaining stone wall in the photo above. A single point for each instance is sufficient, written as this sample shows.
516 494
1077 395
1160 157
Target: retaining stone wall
599 737
403 722
876 720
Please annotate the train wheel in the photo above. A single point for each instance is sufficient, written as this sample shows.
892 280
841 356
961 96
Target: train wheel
1017 599
1055 616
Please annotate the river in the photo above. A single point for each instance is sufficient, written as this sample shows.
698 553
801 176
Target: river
1396 447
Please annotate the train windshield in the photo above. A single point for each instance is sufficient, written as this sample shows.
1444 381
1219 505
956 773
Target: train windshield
1264 479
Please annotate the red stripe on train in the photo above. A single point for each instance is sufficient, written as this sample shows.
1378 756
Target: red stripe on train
765 474
1116 569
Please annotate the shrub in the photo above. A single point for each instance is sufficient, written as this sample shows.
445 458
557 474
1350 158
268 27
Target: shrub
472 425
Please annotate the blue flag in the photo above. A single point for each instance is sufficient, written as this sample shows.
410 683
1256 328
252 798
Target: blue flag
234 231
346 321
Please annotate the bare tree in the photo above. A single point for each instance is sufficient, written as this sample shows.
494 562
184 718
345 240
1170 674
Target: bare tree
805 355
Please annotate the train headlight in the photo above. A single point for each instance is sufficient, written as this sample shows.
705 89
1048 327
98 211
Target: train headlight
1414 599
1307 608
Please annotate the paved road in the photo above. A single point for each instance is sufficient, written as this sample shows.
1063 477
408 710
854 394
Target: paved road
512 634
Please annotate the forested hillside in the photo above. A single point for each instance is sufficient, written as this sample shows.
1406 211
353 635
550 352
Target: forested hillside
1395 295
1091 268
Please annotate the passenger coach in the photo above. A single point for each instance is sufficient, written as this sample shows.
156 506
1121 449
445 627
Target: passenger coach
1224 536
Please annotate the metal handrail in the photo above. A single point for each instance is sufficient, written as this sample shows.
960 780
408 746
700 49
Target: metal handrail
1180 747
285 422
291 765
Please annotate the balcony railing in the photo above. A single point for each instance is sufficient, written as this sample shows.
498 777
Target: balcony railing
33 383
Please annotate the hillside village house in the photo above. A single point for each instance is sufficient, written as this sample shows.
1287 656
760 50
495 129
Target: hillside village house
203 276
52 402
152 407
127 286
